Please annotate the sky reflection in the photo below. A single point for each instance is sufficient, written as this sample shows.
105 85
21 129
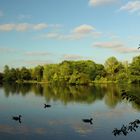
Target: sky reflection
64 119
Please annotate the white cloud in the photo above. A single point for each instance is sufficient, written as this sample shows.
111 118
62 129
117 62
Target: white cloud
7 50
83 29
37 53
72 57
100 2
40 26
131 6
6 27
116 46
108 44
22 27
77 33
127 50
52 35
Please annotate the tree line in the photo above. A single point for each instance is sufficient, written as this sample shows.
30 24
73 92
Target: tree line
82 72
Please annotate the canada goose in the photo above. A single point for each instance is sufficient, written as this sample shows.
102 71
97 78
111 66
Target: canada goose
88 120
17 118
46 105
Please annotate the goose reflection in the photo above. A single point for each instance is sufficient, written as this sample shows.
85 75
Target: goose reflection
87 120
17 118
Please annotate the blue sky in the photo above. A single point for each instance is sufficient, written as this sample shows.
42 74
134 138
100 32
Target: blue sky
36 32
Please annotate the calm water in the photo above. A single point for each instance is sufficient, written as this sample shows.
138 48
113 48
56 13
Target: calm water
69 105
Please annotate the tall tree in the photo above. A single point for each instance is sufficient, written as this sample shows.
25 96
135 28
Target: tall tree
135 70
112 67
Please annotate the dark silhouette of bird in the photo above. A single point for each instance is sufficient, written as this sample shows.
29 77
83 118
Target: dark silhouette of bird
47 105
17 118
88 120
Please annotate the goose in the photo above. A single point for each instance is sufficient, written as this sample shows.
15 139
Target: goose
88 120
46 105
17 118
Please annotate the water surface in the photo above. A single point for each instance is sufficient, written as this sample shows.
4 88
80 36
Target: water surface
69 105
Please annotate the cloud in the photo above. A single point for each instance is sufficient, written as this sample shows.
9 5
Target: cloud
131 6
116 46
83 29
76 33
6 27
71 57
108 44
37 53
127 50
37 62
22 27
100 2
7 50
40 26
74 57
1 14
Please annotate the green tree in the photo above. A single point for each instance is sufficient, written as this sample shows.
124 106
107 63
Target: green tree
135 70
1 77
25 74
112 67
38 73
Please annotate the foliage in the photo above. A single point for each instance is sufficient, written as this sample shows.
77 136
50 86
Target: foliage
135 70
81 72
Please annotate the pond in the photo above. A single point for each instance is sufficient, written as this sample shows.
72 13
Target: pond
69 113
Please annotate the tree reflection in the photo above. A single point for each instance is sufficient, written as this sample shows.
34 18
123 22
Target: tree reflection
126 129
80 94
131 95
113 96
